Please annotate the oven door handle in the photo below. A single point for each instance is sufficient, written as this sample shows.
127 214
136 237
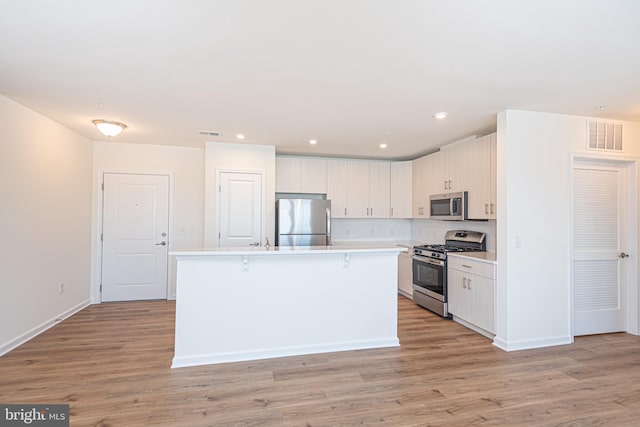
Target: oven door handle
428 260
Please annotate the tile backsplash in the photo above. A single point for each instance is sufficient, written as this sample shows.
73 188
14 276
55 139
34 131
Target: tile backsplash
405 230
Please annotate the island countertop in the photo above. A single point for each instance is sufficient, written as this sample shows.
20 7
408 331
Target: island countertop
291 250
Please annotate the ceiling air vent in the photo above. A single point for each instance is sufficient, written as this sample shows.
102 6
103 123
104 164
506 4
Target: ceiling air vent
606 136
208 133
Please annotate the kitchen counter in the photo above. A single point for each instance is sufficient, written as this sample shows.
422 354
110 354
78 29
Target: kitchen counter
363 247
488 257
236 304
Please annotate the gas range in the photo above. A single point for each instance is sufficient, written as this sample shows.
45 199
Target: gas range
455 241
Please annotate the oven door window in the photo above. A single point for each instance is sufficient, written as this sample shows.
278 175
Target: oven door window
428 276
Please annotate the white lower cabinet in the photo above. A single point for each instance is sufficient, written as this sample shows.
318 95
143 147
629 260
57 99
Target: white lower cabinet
472 293
405 273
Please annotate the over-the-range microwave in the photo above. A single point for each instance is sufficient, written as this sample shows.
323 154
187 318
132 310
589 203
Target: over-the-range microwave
450 206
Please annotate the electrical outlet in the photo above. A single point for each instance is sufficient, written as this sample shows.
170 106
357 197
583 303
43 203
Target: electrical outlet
61 287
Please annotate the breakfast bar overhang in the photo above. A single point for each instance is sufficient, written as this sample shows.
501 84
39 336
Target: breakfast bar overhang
237 304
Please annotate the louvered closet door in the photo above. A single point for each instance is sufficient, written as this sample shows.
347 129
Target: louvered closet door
598 285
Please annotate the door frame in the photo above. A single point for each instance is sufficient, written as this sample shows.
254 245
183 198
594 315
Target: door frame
96 241
632 297
212 204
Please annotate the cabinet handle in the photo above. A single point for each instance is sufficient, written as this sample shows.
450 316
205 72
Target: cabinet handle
492 212
446 187
469 284
371 211
391 211
450 185
466 266
486 208
464 283
345 211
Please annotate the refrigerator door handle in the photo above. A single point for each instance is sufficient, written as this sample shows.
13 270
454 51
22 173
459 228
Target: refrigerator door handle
328 215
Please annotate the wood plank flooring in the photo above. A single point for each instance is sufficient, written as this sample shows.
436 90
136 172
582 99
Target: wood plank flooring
111 364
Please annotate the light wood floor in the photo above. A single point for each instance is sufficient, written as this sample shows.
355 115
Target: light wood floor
110 362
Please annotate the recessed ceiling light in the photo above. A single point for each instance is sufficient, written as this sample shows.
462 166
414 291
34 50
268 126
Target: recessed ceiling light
601 107
313 141
441 115
240 136
383 145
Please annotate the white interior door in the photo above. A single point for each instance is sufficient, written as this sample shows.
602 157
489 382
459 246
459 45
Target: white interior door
598 258
135 226
240 209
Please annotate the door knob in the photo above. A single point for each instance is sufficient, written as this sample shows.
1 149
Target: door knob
254 244
623 255
161 244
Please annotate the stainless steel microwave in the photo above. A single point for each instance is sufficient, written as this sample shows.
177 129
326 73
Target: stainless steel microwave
450 206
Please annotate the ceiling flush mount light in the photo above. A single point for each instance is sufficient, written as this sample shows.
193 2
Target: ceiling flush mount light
108 127
383 145
313 141
441 115
240 136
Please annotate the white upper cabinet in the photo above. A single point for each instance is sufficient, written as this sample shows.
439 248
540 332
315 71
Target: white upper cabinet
358 189
337 187
301 175
482 199
401 181
379 189
420 187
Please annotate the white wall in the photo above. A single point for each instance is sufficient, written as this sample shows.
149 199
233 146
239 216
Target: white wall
45 222
185 165
239 157
534 169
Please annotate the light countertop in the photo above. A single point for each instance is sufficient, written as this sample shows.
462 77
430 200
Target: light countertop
489 257
289 250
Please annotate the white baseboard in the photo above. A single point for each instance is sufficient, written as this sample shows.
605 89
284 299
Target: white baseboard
209 359
18 341
515 345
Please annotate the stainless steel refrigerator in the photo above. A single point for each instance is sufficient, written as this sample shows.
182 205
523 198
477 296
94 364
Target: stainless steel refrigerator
303 222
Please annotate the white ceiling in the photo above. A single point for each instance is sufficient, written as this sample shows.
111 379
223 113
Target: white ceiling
352 74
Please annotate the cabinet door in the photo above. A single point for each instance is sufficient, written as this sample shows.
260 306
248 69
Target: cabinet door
357 188
401 180
437 177
287 175
484 303
479 185
419 190
379 190
336 187
457 293
313 176
405 273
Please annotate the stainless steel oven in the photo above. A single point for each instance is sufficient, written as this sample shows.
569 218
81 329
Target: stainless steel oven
430 284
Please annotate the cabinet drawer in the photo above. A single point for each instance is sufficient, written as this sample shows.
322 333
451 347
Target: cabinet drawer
483 269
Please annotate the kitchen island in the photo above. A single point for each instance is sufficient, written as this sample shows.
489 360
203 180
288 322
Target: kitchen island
235 304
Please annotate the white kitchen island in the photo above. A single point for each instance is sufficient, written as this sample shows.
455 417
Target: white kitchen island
257 303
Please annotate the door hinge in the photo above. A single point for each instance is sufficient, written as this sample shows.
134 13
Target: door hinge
101 237
103 186
218 234
100 287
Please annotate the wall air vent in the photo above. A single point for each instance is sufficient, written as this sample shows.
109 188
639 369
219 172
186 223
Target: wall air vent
208 133
604 136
